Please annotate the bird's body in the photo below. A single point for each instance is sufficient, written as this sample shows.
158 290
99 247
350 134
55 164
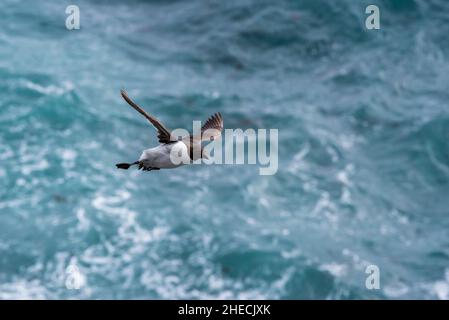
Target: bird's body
173 153
159 157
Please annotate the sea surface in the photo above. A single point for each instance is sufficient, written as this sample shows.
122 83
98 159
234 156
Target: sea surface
363 178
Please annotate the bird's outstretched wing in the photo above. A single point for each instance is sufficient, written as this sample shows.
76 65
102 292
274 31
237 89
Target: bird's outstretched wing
162 132
215 125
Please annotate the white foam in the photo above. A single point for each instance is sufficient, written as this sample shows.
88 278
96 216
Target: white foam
335 269
396 290
40 165
23 290
51 89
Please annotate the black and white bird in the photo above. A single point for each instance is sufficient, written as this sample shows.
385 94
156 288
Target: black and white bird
160 157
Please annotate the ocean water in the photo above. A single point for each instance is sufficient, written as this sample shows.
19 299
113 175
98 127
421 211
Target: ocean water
363 179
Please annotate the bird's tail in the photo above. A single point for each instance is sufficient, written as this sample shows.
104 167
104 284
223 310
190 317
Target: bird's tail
125 166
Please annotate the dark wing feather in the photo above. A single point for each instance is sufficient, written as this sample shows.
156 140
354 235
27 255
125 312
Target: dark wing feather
214 122
163 133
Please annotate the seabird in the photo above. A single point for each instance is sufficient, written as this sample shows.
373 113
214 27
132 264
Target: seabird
159 157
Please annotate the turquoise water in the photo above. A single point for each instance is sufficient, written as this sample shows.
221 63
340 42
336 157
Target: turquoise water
363 119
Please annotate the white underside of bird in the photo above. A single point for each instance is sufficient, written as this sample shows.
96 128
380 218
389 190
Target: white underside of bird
165 156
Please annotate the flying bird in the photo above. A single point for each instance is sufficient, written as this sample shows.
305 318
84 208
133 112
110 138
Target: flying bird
160 157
